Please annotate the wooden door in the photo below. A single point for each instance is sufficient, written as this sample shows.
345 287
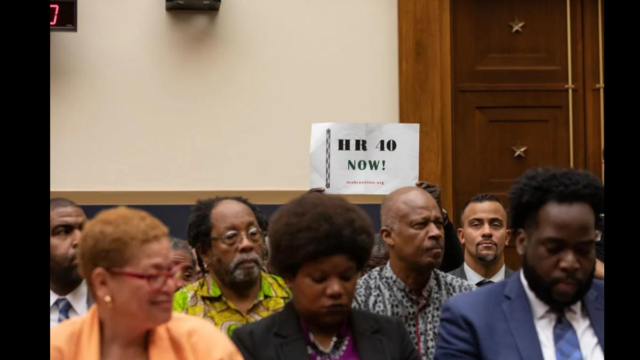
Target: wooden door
512 107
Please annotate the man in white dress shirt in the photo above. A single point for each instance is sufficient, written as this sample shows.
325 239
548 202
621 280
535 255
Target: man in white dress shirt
68 293
483 233
553 309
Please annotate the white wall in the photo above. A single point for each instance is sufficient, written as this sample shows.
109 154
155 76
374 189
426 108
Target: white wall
144 99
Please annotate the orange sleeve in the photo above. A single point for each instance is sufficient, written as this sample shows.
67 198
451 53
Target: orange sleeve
213 344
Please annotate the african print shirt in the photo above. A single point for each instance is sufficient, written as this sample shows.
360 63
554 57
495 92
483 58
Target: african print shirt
206 301
380 291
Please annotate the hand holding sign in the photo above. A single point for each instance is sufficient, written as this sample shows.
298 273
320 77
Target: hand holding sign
432 189
318 190
364 158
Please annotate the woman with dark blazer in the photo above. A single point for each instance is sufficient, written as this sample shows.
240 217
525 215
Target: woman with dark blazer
319 244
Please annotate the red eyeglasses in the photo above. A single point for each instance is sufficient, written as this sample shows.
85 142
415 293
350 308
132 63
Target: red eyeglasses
156 280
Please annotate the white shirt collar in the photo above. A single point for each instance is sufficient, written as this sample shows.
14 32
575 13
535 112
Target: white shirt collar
538 307
77 298
474 278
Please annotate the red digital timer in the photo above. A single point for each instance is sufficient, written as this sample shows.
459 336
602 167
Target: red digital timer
53 9
63 15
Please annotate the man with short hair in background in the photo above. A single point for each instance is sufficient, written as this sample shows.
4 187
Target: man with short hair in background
483 233
68 293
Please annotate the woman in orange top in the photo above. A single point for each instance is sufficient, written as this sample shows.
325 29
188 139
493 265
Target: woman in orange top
125 256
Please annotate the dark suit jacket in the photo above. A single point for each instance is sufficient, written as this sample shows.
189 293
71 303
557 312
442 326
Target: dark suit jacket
280 337
496 323
459 272
453 254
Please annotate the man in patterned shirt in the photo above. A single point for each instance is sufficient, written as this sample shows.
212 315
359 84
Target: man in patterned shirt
229 237
409 286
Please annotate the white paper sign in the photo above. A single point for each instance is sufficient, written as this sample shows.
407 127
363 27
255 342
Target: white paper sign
364 158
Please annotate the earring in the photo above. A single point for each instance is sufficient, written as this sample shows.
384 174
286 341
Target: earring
109 301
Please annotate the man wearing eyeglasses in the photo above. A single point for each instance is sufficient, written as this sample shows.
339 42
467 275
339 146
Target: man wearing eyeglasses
228 234
68 293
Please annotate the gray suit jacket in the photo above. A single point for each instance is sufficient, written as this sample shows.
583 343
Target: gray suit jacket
459 272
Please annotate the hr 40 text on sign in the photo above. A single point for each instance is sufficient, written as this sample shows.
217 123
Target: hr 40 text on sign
364 158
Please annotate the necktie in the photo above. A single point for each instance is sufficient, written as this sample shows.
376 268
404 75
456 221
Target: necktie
483 282
63 309
566 340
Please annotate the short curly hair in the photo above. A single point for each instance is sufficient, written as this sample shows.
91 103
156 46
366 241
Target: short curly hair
182 245
200 225
113 237
315 226
478 199
56 203
539 186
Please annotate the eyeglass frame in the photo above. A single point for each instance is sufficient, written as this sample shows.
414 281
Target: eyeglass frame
166 275
245 234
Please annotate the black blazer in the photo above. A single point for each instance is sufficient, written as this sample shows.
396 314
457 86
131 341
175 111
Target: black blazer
280 337
453 254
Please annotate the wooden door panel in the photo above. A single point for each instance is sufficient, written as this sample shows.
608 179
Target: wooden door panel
487 51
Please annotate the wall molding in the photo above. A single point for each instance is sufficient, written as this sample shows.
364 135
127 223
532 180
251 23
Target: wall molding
190 197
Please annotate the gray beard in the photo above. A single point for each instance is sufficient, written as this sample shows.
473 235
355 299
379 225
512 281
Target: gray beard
240 280
243 276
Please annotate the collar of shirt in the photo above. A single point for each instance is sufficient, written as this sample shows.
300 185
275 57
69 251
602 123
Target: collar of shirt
539 308
77 298
212 290
391 277
474 278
